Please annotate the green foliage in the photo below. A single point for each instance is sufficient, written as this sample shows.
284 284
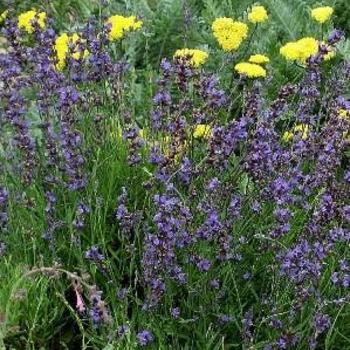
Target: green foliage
173 24
342 15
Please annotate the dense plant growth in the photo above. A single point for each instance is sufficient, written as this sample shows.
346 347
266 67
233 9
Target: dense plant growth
184 186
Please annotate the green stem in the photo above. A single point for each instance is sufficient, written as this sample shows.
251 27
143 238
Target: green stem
244 53
250 41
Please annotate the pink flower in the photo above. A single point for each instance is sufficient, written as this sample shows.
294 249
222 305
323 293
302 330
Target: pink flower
80 303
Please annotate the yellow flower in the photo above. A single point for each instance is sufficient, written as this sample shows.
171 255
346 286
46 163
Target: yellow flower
142 133
287 136
322 14
62 49
202 131
120 25
196 57
343 113
258 14
300 50
290 51
307 48
251 70
3 16
229 33
25 20
300 128
259 59
329 56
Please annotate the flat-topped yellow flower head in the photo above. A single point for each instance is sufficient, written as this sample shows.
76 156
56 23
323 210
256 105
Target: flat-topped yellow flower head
202 131
26 20
119 25
300 50
290 51
344 113
229 33
322 14
259 59
251 70
258 14
195 57
62 49
302 129
307 47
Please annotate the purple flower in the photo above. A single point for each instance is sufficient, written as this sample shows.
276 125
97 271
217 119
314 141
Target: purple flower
81 213
281 343
247 323
211 227
215 284
346 213
127 220
335 37
160 249
134 141
302 262
4 197
235 207
144 337
224 319
214 97
186 171
162 98
247 276
94 254
2 249
122 330
347 176
203 264
213 184
98 309
122 293
175 312
322 322
256 206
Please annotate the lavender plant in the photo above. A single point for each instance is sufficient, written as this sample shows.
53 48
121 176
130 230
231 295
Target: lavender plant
218 219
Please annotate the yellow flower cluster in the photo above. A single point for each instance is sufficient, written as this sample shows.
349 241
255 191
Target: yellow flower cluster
229 33
120 25
322 14
259 59
300 128
344 113
26 19
258 14
250 70
196 57
300 50
202 131
62 49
